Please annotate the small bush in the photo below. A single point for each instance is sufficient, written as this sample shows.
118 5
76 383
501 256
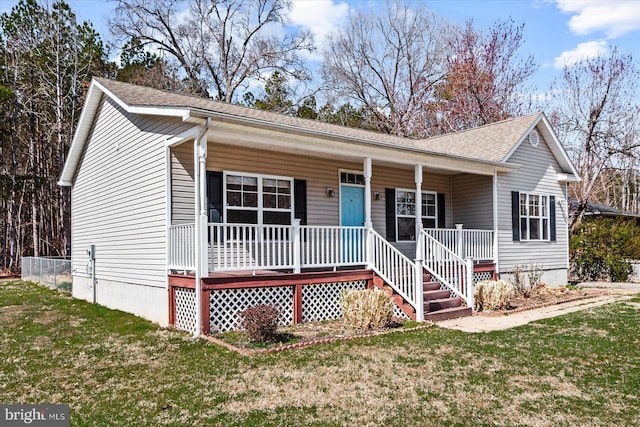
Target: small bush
366 309
260 322
493 295
526 279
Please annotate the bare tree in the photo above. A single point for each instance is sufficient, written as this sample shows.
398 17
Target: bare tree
221 45
485 78
388 64
597 115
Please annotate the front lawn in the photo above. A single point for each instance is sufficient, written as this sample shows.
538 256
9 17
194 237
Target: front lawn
115 369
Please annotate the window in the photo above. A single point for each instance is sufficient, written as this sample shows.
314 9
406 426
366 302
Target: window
406 213
351 178
258 199
534 216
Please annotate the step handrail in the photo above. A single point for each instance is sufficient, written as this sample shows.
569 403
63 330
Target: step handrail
453 272
393 267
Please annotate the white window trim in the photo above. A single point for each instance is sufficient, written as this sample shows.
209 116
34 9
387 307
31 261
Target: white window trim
539 218
413 190
260 209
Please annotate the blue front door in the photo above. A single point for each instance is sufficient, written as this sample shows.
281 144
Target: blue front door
351 206
351 214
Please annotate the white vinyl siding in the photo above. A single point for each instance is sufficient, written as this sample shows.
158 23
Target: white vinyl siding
119 197
537 174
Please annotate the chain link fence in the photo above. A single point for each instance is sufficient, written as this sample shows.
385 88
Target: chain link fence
53 272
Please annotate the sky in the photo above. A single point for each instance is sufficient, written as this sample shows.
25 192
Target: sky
556 32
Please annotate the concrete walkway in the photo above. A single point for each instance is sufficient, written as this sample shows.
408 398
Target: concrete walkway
486 323
617 287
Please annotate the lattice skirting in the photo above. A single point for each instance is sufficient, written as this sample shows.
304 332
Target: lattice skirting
479 276
225 304
322 302
185 309
319 302
397 312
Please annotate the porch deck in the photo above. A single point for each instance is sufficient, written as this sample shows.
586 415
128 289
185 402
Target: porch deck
273 263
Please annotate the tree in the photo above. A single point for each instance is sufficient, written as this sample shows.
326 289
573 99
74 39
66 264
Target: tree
485 77
388 64
221 45
597 115
138 66
277 96
47 60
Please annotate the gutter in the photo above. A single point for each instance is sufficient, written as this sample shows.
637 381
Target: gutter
226 117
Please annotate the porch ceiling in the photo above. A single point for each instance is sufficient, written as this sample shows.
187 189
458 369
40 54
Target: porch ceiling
295 142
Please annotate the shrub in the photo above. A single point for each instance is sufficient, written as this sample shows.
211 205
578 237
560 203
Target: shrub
366 309
260 322
599 248
492 295
526 279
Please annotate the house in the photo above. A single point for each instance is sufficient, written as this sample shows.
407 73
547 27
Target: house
596 210
186 210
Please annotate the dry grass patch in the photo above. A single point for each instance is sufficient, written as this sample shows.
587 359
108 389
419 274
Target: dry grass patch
115 369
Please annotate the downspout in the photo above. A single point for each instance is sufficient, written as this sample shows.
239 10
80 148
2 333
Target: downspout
201 264
496 252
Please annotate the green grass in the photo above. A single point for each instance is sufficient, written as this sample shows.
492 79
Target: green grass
115 369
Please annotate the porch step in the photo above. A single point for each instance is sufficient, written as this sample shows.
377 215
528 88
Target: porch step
430 286
441 304
448 313
436 294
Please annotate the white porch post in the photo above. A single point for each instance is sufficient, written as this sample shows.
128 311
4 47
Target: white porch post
470 287
201 264
419 251
459 241
368 244
495 220
418 213
296 245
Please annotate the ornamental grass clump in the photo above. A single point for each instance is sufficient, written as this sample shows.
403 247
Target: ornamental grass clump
492 295
260 322
366 309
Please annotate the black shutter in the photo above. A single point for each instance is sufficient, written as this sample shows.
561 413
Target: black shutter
214 195
442 219
515 215
552 218
300 200
390 201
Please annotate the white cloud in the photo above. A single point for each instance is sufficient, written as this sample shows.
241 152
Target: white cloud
614 18
582 51
319 16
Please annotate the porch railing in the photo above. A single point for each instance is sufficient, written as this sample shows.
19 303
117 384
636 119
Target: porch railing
332 245
250 246
455 273
465 243
181 243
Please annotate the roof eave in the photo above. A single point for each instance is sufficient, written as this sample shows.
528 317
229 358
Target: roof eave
499 166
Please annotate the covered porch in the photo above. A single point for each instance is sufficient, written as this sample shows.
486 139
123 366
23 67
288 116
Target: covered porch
309 209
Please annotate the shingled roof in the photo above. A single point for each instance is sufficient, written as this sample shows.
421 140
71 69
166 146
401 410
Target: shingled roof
489 143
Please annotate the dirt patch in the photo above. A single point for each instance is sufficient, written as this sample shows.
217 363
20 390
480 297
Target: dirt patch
545 296
10 313
306 334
